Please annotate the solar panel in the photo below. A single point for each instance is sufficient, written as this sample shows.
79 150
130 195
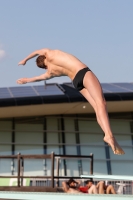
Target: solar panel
127 86
53 89
29 91
26 91
4 93
114 88
48 90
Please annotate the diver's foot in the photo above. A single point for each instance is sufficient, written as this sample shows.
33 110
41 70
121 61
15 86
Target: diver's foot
114 145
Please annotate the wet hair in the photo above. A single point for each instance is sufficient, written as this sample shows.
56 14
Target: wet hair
40 62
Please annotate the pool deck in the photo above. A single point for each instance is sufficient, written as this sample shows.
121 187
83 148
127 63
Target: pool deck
59 196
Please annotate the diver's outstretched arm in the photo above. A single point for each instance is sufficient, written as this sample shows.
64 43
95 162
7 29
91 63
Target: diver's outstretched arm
42 77
32 55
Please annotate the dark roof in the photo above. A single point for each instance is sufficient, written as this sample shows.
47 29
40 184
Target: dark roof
59 93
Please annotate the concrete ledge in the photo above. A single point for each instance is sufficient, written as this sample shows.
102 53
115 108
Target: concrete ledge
59 196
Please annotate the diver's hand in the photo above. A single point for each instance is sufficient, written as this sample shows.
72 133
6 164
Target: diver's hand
22 80
22 62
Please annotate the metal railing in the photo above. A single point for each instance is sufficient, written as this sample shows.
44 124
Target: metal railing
20 166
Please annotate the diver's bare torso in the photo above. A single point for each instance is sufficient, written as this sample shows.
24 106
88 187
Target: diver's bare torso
62 64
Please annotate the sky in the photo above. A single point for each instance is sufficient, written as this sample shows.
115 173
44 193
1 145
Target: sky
98 32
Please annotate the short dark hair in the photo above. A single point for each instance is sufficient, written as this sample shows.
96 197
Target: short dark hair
71 180
90 180
40 62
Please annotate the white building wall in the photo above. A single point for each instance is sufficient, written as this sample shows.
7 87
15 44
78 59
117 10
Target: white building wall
70 139
92 135
122 165
29 140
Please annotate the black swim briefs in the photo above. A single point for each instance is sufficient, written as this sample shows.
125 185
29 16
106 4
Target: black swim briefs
78 79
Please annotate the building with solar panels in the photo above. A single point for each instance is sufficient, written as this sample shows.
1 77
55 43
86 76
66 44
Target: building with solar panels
56 117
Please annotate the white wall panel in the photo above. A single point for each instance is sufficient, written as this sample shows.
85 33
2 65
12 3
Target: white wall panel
70 138
118 167
99 167
5 137
93 137
52 138
5 164
120 126
5 131
122 168
52 135
72 167
89 126
31 134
